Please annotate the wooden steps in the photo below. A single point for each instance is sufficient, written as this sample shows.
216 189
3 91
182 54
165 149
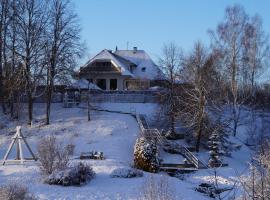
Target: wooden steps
181 168
178 165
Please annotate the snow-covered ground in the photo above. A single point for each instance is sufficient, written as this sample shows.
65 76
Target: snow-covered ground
115 135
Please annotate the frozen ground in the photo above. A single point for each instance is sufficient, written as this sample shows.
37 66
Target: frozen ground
115 135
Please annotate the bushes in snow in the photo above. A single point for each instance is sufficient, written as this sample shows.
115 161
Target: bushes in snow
52 155
146 155
211 190
15 192
158 189
54 159
126 173
257 184
78 174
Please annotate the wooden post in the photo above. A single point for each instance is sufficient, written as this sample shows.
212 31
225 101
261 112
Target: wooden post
21 152
18 152
8 151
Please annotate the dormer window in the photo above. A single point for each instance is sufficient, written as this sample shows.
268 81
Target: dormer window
132 67
143 69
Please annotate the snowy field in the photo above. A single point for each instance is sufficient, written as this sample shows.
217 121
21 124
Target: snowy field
115 135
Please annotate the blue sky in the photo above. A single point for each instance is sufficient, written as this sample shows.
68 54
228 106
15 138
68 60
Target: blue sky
148 24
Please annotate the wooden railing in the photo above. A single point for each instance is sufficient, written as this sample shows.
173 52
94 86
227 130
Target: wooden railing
140 123
192 158
154 134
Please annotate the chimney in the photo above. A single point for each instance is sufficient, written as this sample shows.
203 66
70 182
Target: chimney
135 49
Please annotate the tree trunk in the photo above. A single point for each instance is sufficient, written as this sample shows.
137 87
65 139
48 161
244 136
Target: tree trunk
234 95
235 120
172 107
17 108
11 104
199 135
48 104
1 71
252 82
201 118
172 125
1 87
49 92
30 109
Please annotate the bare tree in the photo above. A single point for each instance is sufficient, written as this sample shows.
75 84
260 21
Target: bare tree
14 81
257 184
63 46
157 188
31 27
199 71
228 40
170 63
4 10
256 53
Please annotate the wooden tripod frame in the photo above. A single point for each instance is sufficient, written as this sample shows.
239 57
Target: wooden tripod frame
18 138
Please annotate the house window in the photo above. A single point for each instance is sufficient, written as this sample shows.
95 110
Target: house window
101 83
143 69
113 84
131 67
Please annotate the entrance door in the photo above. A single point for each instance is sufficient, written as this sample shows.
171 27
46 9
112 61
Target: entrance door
101 83
113 84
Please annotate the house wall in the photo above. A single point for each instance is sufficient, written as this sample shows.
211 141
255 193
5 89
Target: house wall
120 80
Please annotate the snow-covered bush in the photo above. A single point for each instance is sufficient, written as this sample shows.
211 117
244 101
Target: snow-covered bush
78 174
126 173
15 192
214 144
158 189
53 156
146 155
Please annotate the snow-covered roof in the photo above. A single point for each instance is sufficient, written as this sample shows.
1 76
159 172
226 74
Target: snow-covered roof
107 55
146 68
83 84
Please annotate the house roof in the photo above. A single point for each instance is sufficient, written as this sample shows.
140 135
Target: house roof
122 64
84 84
145 68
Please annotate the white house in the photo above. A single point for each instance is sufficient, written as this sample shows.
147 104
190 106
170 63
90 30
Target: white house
121 70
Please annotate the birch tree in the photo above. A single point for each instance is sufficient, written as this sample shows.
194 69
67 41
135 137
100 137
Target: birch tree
228 39
256 53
